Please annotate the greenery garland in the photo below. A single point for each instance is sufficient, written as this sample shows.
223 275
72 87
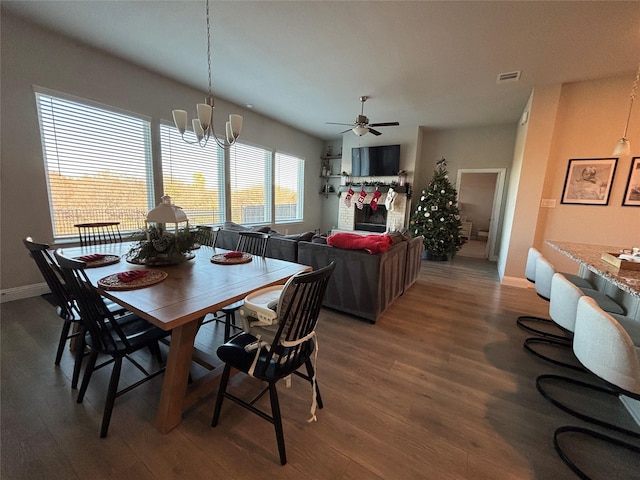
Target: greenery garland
157 245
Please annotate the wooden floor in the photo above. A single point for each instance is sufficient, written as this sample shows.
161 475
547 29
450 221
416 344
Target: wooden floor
438 388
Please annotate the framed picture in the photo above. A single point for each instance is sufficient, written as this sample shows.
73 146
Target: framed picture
589 181
632 192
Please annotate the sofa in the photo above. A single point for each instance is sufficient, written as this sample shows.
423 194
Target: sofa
364 284
282 247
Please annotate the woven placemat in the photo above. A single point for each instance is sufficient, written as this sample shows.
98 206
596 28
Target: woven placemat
101 262
220 258
112 282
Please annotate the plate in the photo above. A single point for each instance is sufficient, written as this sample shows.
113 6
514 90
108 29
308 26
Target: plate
112 282
101 262
221 259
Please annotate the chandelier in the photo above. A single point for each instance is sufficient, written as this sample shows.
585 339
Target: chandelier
203 125
623 146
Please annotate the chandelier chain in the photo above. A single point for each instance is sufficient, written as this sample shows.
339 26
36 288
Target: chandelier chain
209 46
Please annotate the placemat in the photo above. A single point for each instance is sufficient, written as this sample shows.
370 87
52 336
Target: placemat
220 258
98 260
112 282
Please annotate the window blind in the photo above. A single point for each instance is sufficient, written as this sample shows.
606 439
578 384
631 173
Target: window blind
193 176
289 188
250 183
97 162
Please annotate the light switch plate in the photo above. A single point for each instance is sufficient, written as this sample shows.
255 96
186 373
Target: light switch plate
548 203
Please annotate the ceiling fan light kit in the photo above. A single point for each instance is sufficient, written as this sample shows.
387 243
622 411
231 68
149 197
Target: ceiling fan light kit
361 126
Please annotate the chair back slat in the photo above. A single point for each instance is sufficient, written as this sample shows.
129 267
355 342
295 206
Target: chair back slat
106 334
98 233
254 243
52 276
207 235
293 341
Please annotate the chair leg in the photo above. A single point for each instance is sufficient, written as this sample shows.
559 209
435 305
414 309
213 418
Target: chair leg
523 321
529 347
310 373
591 433
88 371
154 348
277 421
228 318
77 364
222 389
64 335
112 393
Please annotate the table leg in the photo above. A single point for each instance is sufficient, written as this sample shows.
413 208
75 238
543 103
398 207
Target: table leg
176 376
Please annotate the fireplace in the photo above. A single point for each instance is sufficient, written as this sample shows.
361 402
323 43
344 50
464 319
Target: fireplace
371 220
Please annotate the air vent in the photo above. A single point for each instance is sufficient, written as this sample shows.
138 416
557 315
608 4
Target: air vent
509 77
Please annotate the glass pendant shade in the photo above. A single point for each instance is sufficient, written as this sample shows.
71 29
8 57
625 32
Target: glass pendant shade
360 131
623 147
180 119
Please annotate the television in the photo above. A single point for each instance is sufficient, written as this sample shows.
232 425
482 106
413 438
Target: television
380 161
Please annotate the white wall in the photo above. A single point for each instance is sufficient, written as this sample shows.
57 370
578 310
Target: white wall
32 56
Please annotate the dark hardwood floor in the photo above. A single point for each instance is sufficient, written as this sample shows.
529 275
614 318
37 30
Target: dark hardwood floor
438 388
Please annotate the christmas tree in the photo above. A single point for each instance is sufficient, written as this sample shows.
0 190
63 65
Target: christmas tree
437 217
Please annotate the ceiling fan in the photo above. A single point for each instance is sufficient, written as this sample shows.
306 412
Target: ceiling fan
361 126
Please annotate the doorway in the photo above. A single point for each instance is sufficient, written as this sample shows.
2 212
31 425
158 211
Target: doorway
480 192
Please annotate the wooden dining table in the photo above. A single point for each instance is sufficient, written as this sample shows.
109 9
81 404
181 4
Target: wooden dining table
178 303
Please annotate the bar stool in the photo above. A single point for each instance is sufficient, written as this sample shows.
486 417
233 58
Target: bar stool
524 321
605 349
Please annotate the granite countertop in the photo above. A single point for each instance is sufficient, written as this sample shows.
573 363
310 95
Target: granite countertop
590 256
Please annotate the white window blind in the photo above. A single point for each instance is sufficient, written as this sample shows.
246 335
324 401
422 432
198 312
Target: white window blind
98 164
289 188
193 177
250 182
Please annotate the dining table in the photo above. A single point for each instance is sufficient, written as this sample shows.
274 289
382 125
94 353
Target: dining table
191 289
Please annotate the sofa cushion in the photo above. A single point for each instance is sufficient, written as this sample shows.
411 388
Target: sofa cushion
300 237
352 241
236 227
317 238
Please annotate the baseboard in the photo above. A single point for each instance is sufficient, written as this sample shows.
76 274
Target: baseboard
516 282
26 291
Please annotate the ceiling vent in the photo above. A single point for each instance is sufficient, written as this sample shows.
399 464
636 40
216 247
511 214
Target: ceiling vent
509 77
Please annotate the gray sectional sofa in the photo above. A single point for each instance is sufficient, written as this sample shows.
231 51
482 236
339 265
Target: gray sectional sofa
362 284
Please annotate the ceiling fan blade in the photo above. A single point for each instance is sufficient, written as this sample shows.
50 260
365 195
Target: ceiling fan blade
345 131
385 124
375 132
334 123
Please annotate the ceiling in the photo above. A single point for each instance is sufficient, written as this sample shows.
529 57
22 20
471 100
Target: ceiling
304 63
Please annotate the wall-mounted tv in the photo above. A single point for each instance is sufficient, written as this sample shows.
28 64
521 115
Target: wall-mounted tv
380 161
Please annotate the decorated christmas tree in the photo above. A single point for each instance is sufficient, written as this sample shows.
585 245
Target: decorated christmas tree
437 217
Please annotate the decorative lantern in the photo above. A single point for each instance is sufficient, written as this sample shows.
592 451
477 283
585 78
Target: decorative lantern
402 178
167 212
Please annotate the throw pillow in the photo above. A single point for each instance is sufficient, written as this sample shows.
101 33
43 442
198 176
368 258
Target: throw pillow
352 241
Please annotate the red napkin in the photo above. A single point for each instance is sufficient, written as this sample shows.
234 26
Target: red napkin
233 255
91 258
130 276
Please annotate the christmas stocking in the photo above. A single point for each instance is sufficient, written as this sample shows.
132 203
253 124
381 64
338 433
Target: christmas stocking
374 201
361 197
391 198
347 199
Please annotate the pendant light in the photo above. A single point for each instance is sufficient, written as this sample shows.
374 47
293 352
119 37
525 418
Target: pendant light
623 146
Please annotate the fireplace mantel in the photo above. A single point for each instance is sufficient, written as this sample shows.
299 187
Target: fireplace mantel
396 218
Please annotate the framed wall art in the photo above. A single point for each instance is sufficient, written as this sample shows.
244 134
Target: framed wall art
589 181
632 192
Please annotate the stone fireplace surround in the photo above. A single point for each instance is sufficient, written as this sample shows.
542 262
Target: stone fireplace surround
396 219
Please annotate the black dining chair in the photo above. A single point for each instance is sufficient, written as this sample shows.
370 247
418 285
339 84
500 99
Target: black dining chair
72 327
98 233
254 243
105 334
206 235
293 346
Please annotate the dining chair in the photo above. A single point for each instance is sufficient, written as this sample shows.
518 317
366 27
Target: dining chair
105 334
293 345
206 235
254 243
608 351
98 233
62 300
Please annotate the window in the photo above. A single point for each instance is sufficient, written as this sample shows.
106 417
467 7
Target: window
97 162
250 183
289 188
193 176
